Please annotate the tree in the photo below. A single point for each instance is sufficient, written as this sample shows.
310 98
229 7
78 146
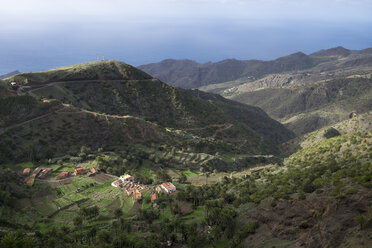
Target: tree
118 213
362 221
78 221
182 178
104 237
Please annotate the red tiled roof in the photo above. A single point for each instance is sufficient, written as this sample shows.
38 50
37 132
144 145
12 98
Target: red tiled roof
63 174
26 171
137 195
168 186
153 197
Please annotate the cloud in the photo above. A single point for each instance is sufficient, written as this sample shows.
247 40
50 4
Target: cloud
44 12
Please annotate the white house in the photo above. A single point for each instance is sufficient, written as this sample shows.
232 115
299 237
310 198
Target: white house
127 177
168 187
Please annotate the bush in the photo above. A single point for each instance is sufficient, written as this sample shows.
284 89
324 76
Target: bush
332 132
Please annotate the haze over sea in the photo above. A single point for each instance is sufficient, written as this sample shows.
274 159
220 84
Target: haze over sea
40 34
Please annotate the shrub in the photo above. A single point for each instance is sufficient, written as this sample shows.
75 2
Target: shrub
332 132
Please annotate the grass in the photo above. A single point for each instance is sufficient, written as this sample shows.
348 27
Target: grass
196 216
189 173
165 214
25 165
126 202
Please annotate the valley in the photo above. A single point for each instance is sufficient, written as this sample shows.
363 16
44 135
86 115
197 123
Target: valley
281 158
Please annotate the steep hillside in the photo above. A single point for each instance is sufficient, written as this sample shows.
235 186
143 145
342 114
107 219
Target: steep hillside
189 74
5 90
360 122
17 109
117 91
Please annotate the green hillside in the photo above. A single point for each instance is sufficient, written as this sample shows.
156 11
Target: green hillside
319 195
133 101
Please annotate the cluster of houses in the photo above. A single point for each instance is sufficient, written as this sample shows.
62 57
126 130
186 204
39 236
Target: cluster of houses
43 173
78 171
40 173
133 188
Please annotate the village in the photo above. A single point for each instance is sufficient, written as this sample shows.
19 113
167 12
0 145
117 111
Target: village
125 182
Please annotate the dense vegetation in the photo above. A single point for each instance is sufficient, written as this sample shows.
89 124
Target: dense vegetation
230 192
220 208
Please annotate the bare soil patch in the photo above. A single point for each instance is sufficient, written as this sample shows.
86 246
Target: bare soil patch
102 177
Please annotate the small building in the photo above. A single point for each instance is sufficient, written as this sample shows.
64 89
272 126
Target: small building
36 172
94 170
168 187
154 196
137 195
13 84
46 101
30 181
26 171
116 183
127 177
63 174
158 189
79 171
44 173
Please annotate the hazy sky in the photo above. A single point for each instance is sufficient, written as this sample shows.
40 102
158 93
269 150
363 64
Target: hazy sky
41 34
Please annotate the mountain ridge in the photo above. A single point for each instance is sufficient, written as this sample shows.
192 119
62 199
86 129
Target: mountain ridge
191 74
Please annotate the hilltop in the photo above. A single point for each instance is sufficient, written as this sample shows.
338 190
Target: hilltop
97 70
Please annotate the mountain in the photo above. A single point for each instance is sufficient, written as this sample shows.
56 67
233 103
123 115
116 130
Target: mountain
336 51
9 74
305 100
115 90
190 74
